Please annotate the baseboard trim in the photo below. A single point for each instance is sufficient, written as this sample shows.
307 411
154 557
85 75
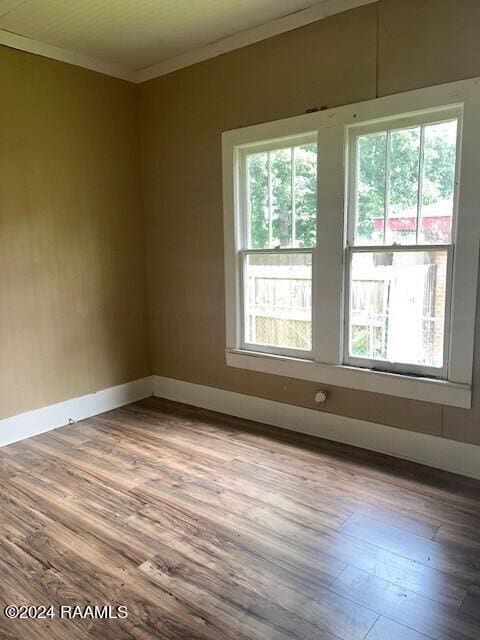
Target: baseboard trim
440 453
38 421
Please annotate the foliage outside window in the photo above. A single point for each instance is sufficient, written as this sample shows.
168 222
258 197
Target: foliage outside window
282 197
402 197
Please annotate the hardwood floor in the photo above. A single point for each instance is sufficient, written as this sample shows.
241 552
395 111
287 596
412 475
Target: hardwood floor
212 528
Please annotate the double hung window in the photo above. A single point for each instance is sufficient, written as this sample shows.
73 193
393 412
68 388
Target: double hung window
351 244
279 234
400 238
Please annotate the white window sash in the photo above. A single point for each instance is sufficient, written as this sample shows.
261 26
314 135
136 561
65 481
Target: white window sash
396 123
306 354
385 365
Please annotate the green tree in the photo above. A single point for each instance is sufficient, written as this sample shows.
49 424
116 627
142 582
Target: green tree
258 194
439 162
371 183
305 188
403 179
281 171
306 195
403 182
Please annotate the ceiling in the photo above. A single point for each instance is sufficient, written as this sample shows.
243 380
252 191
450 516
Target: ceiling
133 35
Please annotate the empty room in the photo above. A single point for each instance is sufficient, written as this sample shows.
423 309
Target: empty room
239 321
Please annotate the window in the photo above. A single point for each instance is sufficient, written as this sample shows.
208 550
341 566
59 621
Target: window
402 203
351 244
279 220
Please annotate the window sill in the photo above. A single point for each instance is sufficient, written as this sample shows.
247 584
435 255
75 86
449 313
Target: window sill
393 384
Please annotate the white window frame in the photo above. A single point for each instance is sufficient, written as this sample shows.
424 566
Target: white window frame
395 124
244 250
327 363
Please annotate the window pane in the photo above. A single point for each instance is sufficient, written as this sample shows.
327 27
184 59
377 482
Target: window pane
257 169
403 179
371 159
279 216
409 174
278 300
438 183
305 203
281 179
397 306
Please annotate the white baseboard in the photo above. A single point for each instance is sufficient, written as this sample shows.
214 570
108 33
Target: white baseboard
440 453
57 415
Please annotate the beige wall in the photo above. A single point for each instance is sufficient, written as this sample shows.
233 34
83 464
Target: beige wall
374 50
72 232
72 268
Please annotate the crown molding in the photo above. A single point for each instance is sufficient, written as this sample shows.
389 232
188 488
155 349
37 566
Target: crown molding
318 11
15 41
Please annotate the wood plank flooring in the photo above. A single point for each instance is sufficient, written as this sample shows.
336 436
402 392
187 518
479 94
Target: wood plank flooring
212 528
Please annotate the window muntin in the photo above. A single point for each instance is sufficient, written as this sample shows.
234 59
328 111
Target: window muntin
402 196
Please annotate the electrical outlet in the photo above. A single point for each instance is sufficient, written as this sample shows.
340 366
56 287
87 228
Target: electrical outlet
321 397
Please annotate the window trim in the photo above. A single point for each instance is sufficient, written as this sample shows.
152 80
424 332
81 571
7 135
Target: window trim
424 389
331 124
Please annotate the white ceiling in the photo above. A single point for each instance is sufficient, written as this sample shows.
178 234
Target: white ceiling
135 34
